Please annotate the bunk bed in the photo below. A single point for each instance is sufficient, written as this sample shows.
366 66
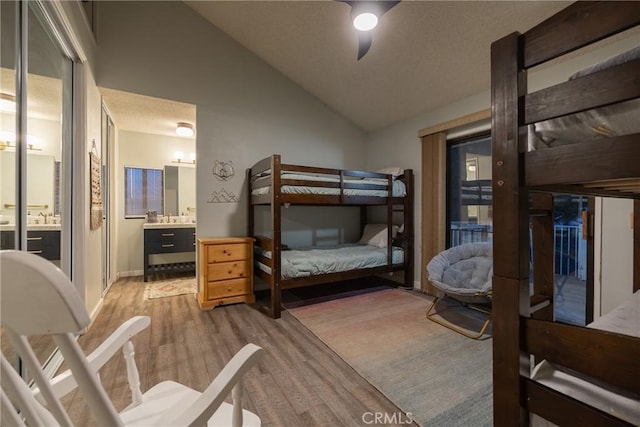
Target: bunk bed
278 185
530 350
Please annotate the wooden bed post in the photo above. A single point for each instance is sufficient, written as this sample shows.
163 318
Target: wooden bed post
511 233
250 210
543 256
276 218
409 231
636 245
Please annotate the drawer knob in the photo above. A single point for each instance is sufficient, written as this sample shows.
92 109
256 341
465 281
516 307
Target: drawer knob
228 289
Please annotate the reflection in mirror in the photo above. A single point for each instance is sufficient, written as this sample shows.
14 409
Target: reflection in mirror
180 191
44 131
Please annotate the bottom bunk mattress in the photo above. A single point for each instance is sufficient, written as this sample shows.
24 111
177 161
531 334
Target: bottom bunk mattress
305 262
624 319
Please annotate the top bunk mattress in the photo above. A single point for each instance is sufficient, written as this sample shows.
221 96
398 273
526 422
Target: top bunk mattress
604 122
398 187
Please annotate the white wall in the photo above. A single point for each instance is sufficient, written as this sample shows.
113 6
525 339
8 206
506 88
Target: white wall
246 110
616 249
143 150
93 241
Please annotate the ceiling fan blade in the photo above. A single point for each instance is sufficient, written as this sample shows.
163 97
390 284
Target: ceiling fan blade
385 6
364 43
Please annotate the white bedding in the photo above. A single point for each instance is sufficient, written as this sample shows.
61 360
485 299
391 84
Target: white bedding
624 319
398 187
604 122
313 261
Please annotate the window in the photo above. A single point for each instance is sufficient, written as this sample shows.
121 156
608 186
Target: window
143 189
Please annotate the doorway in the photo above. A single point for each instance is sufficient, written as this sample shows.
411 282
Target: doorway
150 165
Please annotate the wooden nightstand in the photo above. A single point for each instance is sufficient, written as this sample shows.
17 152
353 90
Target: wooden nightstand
225 271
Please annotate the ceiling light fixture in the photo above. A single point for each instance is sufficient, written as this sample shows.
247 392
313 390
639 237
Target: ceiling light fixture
185 129
366 21
180 158
8 140
7 102
365 16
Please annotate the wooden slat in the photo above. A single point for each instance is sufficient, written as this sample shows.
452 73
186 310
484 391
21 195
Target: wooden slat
581 189
261 199
605 159
543 253
264 242
578 25
616 84
621 184
604 356
590 289
563 410
409 227
310 169
263 260
276 228
336 277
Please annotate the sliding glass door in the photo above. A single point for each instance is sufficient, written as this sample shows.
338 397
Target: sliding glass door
469 219
35 140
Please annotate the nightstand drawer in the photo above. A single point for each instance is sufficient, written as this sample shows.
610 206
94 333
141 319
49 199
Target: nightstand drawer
227 270
227 288
230 252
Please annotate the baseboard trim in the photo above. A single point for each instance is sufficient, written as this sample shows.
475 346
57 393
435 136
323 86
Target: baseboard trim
130 273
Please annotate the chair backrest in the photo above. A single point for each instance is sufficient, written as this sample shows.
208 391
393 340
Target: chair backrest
38 299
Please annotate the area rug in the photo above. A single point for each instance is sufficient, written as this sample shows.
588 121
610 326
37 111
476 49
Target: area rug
438 377
169 288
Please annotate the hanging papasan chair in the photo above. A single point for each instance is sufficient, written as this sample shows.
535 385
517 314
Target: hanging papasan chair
463 273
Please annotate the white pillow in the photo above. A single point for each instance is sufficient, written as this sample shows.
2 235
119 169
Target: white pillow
376 235
394 170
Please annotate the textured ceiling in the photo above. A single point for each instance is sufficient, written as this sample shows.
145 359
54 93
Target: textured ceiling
424 55
139 113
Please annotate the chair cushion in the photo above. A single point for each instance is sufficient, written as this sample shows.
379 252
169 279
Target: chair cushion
463 270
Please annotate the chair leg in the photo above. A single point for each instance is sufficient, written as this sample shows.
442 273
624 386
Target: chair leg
453 327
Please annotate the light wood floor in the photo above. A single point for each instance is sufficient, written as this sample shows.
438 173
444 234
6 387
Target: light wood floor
300 381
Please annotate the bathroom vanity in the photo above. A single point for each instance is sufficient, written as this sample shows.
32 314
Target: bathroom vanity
42 239
162 239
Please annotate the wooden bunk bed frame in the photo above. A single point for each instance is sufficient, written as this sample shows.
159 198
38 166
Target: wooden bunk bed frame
523 325
276 199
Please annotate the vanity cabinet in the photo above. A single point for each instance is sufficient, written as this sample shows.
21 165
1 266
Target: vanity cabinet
166 241
225 273
45 243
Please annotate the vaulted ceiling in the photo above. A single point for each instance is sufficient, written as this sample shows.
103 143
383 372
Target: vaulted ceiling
424 55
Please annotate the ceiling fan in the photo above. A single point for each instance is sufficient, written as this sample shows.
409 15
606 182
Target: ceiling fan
365 16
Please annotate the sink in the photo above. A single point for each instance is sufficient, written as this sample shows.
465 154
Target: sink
168 225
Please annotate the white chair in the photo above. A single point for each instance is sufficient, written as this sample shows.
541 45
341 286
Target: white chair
38 299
